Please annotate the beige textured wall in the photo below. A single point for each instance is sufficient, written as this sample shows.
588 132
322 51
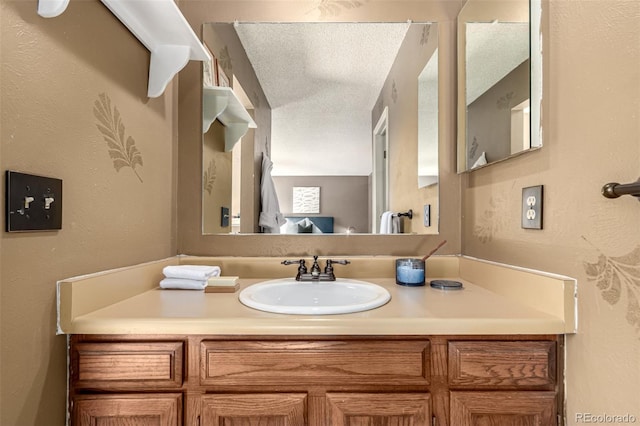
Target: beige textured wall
192 241
52 73
591 126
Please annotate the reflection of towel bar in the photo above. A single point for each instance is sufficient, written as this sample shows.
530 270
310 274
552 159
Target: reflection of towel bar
615 190
408 214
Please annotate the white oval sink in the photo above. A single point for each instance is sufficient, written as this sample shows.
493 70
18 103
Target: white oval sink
288 296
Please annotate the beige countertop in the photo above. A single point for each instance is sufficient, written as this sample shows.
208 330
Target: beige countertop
146 309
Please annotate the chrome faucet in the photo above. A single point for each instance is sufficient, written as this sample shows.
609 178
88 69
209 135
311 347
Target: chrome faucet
315 274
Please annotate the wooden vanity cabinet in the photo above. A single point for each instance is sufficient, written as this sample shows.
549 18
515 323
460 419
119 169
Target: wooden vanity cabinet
315 381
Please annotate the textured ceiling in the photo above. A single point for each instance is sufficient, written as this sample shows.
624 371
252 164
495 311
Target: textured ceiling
322 81
493 50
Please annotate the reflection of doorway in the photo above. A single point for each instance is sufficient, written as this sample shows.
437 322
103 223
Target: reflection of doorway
521 127
380 181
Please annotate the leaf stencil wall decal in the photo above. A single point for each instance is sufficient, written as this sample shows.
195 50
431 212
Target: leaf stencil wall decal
504 102
209 176
474 148
122 150
491 221
618 276
225 60
424 39
394 92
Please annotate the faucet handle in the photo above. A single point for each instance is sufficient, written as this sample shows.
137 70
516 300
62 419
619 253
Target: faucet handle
302 267
339 262
329 268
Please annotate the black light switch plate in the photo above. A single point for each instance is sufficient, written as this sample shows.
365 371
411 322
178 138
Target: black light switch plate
34 203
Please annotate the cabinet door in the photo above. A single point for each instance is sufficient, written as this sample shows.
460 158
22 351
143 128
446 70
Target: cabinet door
128 410
380 409
282 409
503 409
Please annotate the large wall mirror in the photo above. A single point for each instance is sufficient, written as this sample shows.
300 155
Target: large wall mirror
499 81
338 123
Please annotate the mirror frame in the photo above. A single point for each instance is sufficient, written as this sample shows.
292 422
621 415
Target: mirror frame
189 179
536 75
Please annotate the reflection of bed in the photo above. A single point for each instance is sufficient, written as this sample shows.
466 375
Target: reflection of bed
323 224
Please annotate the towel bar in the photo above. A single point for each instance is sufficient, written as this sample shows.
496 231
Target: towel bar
615 190
408 214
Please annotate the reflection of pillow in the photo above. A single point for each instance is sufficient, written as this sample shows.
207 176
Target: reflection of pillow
481 161
304 228
289 227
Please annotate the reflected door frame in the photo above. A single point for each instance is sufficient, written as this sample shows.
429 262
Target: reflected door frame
380 176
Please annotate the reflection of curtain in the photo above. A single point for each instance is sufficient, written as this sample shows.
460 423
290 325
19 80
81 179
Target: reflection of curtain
270 217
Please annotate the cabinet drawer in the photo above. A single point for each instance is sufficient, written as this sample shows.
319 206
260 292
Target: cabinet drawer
127 365
325 362
530 364
504 408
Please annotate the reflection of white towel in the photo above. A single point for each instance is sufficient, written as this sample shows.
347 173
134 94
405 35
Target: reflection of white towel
191 272
396 222
183 284
386 222
271 219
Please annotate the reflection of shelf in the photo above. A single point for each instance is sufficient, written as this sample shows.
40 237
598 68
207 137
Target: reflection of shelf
222 103
160 27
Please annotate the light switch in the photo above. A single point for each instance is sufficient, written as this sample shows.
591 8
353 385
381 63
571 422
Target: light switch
34 203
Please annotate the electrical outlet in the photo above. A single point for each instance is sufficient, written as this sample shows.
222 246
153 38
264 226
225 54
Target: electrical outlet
34 203
532 207
427 215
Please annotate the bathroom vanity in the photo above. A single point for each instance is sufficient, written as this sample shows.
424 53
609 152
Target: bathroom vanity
162 357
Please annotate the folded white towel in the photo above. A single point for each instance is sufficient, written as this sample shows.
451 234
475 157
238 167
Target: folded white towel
183 284
385 222
191 272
